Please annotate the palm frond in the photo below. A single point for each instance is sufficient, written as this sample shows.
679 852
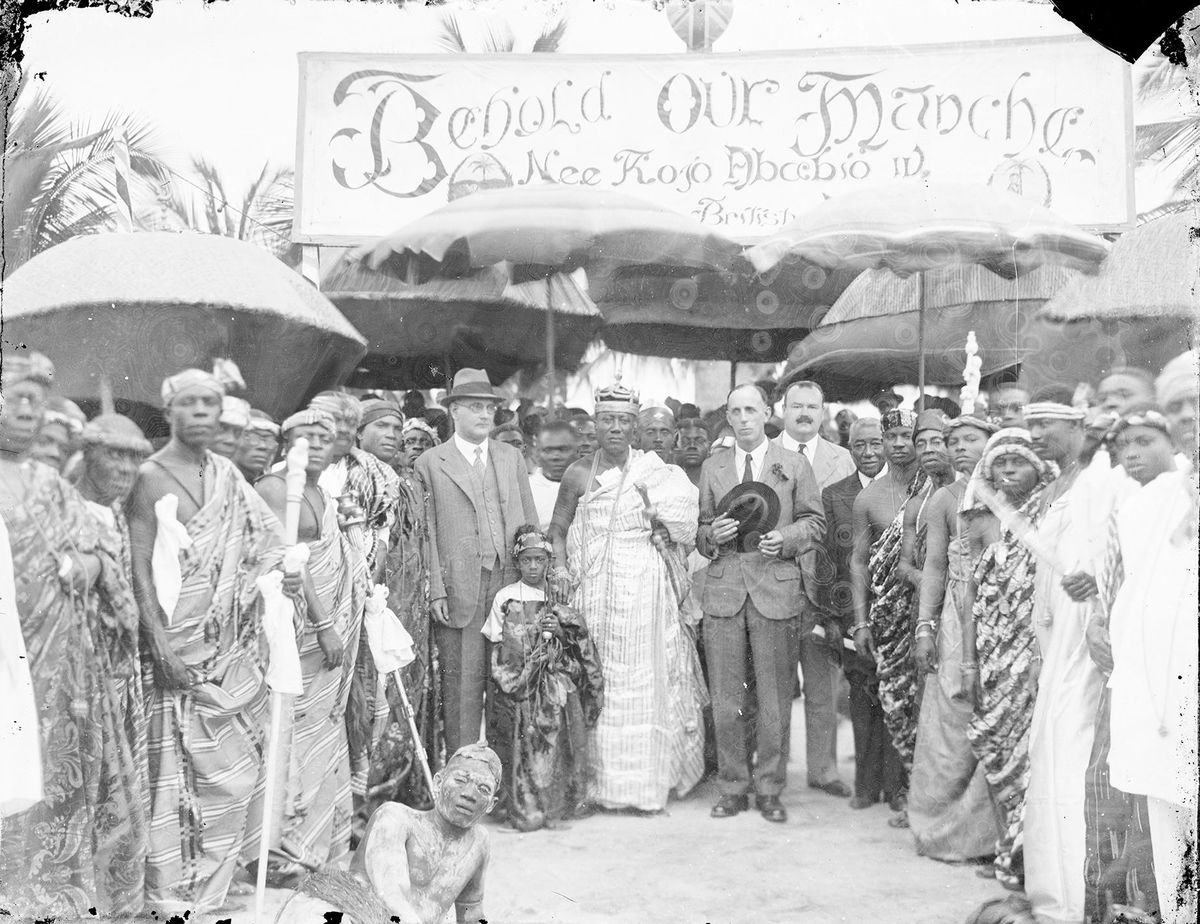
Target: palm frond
551 37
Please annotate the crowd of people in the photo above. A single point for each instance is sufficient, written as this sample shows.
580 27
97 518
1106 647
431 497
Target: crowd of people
620 603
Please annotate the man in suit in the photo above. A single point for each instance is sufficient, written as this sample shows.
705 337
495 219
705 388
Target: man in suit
803 408
877 768
478 494
751 603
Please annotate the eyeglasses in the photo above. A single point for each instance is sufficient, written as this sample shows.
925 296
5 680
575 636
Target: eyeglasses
478 407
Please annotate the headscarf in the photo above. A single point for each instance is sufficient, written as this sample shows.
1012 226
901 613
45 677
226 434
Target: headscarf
190 380
531 540
310 417
340 405
1180 378
26 367
416 423
656 414
235 412
1052 410
374 409
262 422
933 419
897 418
969 420
1142 416
1013 441
116 431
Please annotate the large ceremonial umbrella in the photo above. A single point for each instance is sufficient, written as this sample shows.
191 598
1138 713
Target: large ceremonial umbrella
717 316
126 310
913 227
1152 272
547 229
868 339
417 333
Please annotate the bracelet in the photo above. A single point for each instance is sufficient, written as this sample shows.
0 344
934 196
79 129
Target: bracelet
922 633
968 666
854 629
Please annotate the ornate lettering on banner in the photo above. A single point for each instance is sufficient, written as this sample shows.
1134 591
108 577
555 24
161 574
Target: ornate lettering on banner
742 142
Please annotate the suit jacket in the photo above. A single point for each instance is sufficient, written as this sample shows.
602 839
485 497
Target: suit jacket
834 596
455 557
780 588
830 462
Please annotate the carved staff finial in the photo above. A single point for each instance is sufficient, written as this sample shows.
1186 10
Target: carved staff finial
971 375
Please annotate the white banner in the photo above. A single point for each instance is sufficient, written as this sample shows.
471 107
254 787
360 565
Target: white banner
742 142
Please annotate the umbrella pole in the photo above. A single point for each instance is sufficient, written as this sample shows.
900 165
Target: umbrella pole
550 344
732 374
921 340
107 404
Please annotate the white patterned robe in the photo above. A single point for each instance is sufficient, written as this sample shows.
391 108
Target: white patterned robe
650 736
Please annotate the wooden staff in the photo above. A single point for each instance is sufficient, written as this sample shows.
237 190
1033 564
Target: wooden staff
297 462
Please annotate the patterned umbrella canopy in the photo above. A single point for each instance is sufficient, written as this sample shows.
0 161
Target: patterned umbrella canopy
1152 272
135 308
868 339
484 321
559 227
909 227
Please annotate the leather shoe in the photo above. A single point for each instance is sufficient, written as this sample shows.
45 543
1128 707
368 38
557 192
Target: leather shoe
771 808
728 806
833 788
862 802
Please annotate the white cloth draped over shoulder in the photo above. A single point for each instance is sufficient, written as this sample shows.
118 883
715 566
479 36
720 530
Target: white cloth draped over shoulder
1153 629
20 779
649 738
1069 685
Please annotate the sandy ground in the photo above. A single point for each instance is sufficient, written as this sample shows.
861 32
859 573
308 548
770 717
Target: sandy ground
827 864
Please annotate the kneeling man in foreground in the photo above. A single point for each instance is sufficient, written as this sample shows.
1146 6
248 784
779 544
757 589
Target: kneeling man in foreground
411 864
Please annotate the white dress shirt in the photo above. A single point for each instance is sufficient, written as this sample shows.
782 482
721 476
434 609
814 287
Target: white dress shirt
545 496
757 456
864 480
468 450
809 448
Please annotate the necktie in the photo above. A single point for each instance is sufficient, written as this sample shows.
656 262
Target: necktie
478 458
802 449
748 475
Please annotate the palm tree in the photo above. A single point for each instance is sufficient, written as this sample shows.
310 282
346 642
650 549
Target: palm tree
59 177
261 215
1176 143
465 28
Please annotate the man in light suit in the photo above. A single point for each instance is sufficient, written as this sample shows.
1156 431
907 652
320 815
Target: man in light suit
751 601
478 494
803 407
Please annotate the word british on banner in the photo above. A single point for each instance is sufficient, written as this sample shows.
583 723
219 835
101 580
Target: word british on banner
743 142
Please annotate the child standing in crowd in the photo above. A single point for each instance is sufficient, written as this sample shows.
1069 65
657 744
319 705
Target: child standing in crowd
550 690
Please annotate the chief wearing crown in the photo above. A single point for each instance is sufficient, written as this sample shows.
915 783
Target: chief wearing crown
621 517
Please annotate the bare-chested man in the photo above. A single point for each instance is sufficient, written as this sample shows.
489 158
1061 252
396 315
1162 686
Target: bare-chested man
949 807
875 579
412 864
199 538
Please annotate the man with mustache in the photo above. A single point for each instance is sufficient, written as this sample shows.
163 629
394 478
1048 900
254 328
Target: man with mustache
802 410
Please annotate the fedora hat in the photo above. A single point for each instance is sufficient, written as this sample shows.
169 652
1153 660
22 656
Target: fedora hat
755 506
471 383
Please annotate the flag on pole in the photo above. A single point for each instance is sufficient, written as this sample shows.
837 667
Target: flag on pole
124 203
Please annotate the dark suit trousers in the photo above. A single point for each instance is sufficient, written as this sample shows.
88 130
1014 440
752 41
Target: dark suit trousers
463 656
772 648
820 709
877 767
